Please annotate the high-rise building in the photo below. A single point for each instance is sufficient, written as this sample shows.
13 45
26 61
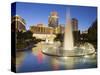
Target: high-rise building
76 32
53 19
18 22
74 24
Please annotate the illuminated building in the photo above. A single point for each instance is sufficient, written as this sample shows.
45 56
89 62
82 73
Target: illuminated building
41 29
59 29
75 24
76 32
53 19
18 22
43 32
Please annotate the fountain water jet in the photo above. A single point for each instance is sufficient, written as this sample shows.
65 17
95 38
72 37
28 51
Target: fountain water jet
68 36
68 48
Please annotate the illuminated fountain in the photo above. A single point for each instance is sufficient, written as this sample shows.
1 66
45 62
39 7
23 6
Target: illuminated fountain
68 49
68 36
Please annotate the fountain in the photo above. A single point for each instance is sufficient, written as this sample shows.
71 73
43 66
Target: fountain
68 49
68 37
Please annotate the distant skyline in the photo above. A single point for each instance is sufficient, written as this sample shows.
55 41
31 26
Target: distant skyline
35 13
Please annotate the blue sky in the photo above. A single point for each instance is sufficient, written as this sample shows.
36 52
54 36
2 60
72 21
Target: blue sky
34 13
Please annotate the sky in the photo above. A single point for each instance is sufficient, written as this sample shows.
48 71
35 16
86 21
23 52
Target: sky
35 13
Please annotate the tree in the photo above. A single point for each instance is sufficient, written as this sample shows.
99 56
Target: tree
59 37
27 35
92 32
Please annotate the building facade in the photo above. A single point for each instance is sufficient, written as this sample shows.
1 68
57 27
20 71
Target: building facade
53 19
74 24
59 29
18 23
76 32
41 29
44 33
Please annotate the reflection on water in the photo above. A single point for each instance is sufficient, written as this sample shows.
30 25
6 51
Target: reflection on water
68 62
54 63
19 58
34 60
40 56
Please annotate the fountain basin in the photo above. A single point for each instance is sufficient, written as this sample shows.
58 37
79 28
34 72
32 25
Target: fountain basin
82 50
